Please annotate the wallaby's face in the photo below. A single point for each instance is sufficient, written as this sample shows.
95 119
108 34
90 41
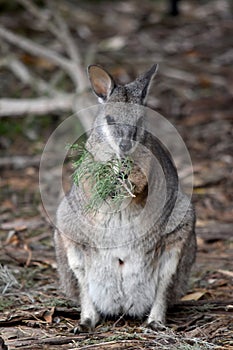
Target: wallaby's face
120 120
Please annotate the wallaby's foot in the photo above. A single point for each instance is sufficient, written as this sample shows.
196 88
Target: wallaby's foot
156 318
88 320
156 326
85 326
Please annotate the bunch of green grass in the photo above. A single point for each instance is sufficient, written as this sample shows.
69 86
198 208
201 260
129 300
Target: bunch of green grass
108 181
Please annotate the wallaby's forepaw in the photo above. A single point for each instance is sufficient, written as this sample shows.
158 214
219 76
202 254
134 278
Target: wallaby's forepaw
155 325
85 326
88 321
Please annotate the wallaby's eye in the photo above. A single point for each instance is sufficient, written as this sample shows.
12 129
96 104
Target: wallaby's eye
135 133
110 120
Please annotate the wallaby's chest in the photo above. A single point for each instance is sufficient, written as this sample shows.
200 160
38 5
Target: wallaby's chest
120 228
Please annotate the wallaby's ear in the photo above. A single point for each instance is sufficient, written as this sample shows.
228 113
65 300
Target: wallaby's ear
101 81
142 83
146 80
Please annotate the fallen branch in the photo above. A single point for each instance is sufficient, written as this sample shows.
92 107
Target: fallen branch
71 49
39 50
10 107
29 343
61 31
71 65
65 35
21 71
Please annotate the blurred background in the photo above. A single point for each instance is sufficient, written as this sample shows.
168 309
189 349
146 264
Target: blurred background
45 48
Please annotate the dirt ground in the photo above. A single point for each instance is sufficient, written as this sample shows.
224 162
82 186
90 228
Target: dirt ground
193 91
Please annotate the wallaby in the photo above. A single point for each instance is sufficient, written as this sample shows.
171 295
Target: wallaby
134 260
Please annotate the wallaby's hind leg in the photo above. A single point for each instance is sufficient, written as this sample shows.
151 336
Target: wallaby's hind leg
71 269
76 261
168 264
173 272
180 282
68 281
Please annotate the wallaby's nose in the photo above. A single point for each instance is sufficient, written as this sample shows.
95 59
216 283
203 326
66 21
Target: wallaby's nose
125 145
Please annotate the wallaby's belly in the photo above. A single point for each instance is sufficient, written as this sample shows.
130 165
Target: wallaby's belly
122 281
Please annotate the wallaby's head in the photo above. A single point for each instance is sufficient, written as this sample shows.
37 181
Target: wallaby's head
120 120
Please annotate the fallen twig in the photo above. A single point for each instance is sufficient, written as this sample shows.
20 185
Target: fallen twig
109 343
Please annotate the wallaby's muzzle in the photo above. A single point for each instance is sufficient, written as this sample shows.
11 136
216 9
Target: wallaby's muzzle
125 146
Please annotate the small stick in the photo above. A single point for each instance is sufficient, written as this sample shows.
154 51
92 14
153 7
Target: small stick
125 186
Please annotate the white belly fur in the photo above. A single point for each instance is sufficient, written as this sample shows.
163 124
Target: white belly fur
117 287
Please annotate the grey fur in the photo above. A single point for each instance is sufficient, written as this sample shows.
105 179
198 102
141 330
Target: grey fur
129 260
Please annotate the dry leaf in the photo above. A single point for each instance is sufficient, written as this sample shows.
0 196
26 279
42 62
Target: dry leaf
48 315
194 296
226 272
12 238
